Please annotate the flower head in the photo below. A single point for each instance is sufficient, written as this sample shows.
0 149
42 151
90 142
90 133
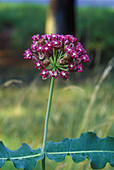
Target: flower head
56 55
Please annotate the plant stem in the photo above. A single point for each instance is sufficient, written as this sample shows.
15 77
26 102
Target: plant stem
46 121
43 163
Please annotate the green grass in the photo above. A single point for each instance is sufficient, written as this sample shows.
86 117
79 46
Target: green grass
22 112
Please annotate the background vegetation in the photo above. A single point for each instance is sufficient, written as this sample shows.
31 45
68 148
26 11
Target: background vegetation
94 27
23 106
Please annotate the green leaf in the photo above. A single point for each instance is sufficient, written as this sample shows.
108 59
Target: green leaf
23 157
88 145
98 150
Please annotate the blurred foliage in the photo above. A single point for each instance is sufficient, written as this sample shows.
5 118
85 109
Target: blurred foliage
94 26
25 20
97 27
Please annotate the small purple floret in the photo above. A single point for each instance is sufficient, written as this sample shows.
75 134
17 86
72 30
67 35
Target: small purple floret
55 74
64 74
44 73
27 54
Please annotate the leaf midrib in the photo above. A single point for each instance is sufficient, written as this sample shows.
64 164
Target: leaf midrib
54 153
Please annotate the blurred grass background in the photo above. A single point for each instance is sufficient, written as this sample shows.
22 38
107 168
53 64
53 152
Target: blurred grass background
23 106
19 22
23 111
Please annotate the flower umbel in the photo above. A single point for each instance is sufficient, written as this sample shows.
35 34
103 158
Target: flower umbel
57 55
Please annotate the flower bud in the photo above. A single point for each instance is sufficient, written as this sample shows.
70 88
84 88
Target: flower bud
62 61
46 62
41 41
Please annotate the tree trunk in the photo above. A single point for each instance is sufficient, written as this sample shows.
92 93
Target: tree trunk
61 17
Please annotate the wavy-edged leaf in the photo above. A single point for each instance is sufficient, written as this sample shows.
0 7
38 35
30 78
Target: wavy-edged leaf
98 150
23 157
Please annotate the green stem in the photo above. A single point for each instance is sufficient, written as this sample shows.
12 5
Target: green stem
63 69
43 163
46 121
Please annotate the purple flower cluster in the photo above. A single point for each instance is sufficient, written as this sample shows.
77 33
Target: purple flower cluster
56 55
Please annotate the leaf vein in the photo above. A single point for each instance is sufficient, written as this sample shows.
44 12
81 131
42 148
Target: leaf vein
54 153
101 151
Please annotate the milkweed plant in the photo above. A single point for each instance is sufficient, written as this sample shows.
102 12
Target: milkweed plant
58 56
